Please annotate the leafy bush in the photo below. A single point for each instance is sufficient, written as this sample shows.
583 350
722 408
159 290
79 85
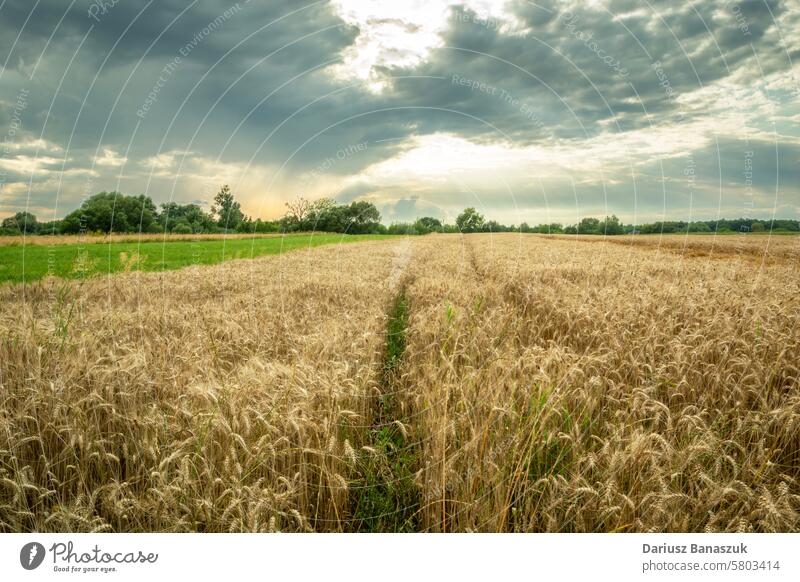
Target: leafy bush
182 228
21 222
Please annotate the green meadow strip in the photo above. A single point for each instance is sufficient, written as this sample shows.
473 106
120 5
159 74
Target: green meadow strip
385 497
74 261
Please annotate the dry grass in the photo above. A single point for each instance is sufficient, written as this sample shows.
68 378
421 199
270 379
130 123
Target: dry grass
757 248
547 384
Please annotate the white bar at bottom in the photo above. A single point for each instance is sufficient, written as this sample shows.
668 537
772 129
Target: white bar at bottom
401 557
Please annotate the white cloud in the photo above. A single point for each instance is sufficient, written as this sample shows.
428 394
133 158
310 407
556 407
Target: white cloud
110 158
401 34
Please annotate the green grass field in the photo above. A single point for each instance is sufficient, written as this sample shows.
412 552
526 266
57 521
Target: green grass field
32 262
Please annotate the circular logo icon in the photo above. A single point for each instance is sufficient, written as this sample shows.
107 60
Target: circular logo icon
31 555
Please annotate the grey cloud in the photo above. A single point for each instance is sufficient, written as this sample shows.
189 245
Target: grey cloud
355 191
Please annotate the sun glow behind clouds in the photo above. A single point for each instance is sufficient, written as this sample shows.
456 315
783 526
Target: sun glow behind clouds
399 34
442 158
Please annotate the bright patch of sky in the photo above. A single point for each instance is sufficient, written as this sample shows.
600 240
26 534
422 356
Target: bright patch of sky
401 34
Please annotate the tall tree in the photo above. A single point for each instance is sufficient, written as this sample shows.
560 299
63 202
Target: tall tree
470 220
297 209
612 225
227 209
361 217
589 226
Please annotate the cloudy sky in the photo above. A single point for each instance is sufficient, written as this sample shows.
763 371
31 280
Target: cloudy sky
531 111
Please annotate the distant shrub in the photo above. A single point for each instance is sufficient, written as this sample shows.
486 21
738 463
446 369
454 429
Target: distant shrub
182 229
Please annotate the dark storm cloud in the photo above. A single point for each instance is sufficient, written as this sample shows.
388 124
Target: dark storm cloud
144 52
582 67
169 25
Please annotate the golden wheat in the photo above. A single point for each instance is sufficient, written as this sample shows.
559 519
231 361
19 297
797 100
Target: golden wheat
566 386
547 384
198 400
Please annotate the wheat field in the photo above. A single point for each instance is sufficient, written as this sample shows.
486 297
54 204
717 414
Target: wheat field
445 383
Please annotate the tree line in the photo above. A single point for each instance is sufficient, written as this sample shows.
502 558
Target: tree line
611 225
108 212
470 220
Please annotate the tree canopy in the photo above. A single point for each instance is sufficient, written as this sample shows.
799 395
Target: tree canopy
325 214
112 212
21 223
185 218
470 220
227 210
